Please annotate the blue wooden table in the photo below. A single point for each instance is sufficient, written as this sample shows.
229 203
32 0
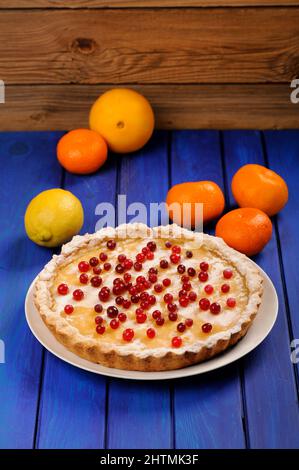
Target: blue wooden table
46 403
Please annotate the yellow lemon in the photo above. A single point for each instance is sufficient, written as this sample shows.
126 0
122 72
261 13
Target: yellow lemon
53 217
124 118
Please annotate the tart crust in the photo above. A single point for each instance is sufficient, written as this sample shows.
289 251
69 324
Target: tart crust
129 357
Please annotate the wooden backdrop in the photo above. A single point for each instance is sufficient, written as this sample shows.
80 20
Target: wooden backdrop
202 63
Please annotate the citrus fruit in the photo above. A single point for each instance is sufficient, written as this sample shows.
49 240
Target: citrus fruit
247 230
53 217
206 192
82 151
257 186
124 118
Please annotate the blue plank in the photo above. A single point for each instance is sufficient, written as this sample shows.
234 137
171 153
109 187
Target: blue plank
28 166
272 409
208 409
139 413
72 411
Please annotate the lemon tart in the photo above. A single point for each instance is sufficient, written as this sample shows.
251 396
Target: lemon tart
148 299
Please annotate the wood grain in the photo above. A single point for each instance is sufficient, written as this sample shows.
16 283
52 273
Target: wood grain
138 3
242 45
176 107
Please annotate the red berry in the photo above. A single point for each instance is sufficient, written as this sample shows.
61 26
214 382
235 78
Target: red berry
104 294
209 289
168 298
111 244
62 289
119 300
68 309
191 272
122 317
185 279
215 308
98 308
227 273
150 333
145 304
160 321
126 303
204 266
231 302
103 256
127 277
225 288
83 266
119 268
166 282
206 327
152 246
137 266
183 293
164 264
140 257
114 324
121 258
176 342
117 280
83 278
150 255
175 258
152 299
98 320
181 269
204 304
189 254
188 322
176 249
192 296
140 279
118 289
100 329
156 314
153 271
128 334
158 287
168 244
141 317
187 286
145 250
133 290
181 327
173 316
93 261
153 278
112 311
184 301
96 281
128 263
97 270
203 276
107 266
172 307
78 294
135 299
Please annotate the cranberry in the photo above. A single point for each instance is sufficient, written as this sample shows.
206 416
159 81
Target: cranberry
215 308
184 301
160 321
204 266
122 317
206 327
145 304
168 244
164 264
121 258
103 257
176 342
119 300
203 276
107 266
119 268
140 279
153 278
192 296
62 289
185 279
128 263
146 284
231 302
181 327
152 246
140 257
156 314
98 308
78 294
118 289
158 287
166 282
100 329
96 281
187 286
114 324
93 261
152 299
176 249
135 299
104 294
111 244
188 322
191 272
153 271
133 290
127 277
145 250
173 316
97 270
168 298
128 334
183 293
98 320
225 288
126 303
175 258
181 269
150 256
172 307
112 311
141 317
83 266
83 278
227 273
150 333
68 309
137 266
117 280
209 289
189 254
204 304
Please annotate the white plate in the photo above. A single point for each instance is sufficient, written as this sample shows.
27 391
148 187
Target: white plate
260 328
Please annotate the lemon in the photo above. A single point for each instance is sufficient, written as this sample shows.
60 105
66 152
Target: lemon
53 217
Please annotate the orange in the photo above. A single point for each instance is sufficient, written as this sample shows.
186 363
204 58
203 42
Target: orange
82 151
257 186
206 192
124 118
247 230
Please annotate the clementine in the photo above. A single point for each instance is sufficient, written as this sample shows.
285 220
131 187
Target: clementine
206 192
247 230
124 118
82 151
257 186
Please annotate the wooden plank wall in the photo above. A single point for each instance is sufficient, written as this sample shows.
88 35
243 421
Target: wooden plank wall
203 64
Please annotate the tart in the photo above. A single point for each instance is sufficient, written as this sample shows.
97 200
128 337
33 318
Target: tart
146 299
